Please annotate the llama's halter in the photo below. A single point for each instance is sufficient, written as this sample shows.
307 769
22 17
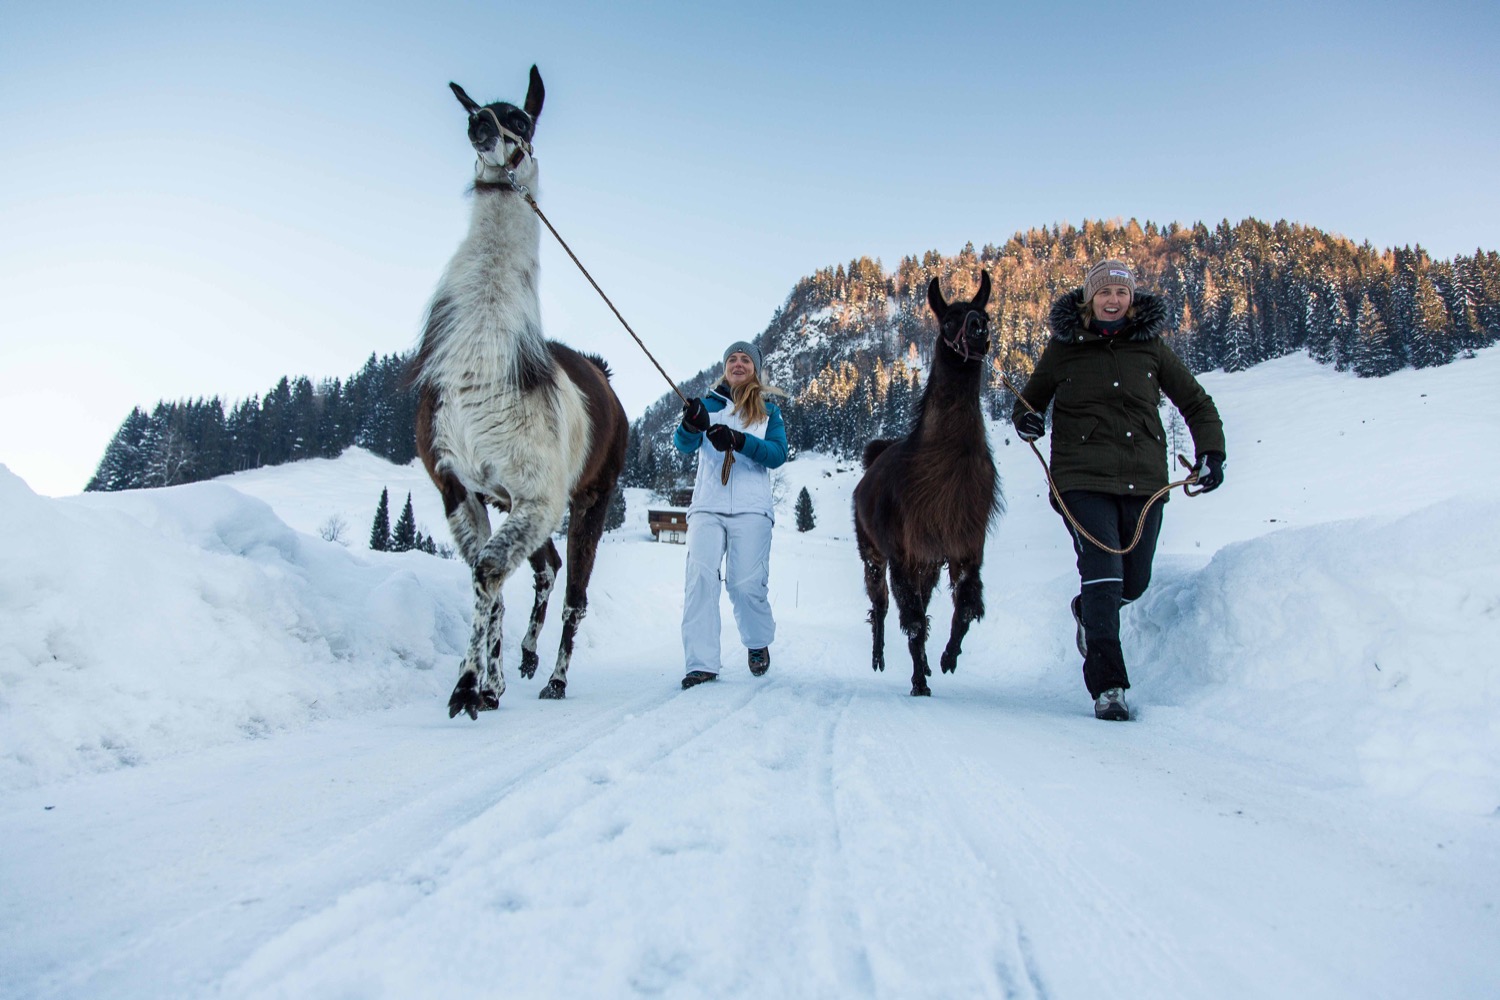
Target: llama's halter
1140 525
522 144
960 341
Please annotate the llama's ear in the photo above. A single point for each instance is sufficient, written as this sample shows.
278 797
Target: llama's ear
470 105
534 95
984 291
935 298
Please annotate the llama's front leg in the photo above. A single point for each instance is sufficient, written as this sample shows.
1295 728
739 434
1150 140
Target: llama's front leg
544 565
968 606
913 591
483 658
522 533
469 523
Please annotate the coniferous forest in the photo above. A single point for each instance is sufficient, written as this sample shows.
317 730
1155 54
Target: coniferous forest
191 440
851 342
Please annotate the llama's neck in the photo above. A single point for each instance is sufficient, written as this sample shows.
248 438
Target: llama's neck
950 413
486 319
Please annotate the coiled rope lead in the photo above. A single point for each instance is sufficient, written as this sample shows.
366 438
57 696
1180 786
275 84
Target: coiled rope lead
1140 525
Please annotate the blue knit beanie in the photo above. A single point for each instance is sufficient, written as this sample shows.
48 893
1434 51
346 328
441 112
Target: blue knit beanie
748 348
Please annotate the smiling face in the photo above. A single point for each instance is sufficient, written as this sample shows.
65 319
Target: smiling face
1110 302
738 369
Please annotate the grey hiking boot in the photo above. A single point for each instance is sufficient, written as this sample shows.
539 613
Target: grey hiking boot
1080 638
1110 705
760 660
696 677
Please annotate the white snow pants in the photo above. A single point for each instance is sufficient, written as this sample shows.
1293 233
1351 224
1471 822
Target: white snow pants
746 540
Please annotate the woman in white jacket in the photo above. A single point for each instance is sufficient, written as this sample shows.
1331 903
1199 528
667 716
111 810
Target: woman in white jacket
729 522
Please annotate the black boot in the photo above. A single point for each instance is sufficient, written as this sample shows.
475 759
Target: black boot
696 677
760 660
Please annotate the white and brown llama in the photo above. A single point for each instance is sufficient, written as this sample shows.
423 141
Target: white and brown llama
509 419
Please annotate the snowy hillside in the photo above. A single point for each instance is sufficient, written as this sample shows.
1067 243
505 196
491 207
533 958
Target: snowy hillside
228 768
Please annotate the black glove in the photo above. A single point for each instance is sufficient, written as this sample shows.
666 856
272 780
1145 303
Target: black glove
1210 470
1030 426
724 438
695 415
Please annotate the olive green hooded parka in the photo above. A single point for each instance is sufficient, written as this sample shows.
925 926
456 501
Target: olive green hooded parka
1106 430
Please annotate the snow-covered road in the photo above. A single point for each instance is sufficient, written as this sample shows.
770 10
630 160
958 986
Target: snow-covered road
817 833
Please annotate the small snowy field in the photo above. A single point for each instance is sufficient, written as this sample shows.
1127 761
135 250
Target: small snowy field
226 766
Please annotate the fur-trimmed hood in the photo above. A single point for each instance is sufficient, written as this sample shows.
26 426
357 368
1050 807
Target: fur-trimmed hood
1148 323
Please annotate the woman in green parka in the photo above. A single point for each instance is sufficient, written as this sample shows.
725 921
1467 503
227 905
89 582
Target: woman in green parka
1104 372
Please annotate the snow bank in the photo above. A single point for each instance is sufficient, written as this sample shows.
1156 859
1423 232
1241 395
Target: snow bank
145 623
1379 633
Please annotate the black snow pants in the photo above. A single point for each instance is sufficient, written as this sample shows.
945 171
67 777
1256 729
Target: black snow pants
1107 581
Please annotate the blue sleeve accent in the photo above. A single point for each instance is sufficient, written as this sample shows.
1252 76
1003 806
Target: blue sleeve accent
686 441
769 451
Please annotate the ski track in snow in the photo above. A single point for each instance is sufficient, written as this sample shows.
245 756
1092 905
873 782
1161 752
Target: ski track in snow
1268 826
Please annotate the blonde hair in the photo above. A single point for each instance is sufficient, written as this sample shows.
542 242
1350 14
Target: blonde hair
749 397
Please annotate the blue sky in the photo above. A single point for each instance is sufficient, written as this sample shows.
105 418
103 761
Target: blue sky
194 202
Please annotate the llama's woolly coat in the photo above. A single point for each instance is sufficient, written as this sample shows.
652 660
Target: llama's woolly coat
1107 434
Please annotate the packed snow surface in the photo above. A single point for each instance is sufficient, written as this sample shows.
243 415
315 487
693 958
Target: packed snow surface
228 769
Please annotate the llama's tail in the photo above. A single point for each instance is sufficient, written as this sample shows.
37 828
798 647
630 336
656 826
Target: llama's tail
874 449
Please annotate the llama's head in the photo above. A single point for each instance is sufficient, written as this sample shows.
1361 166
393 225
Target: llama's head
500 132
963 327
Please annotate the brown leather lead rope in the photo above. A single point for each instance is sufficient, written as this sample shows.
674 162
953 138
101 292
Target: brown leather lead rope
1140 525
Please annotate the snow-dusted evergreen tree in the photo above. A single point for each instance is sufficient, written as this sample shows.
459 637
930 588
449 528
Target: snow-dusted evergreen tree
123 464
380 530
1376 353
404 535
614 516
1432 341
805 519
1236 353
898 402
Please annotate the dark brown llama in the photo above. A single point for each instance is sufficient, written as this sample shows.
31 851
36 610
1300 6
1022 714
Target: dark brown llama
929 498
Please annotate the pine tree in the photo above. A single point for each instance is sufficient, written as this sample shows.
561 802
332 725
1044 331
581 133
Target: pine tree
1375 353
805 519
614 516
123 466
404 538
1237 351
380 531
1432 341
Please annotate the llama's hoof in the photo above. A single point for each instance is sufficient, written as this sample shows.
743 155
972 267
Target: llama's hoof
949 662
528 663
489 700
921 690
555 690
878 664
465 698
